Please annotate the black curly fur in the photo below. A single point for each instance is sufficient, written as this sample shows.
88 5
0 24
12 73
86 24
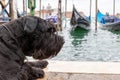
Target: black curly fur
27 36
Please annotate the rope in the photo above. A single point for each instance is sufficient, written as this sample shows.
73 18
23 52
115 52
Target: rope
4 7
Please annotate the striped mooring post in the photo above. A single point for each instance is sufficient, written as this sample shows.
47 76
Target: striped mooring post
32 6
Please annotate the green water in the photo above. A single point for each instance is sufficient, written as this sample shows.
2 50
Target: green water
81 45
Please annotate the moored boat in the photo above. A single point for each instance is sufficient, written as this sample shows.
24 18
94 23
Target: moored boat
80 20
108 22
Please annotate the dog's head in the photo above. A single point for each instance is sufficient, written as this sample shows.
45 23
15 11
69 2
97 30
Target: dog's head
42 41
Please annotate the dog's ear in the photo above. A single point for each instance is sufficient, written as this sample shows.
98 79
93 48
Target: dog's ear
30 24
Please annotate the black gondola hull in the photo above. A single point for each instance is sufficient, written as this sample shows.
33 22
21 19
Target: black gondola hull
79 20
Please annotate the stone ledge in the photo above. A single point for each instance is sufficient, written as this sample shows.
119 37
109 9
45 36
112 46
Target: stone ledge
81 76
74 70
84 67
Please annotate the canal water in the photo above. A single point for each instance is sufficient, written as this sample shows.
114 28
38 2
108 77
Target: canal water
81 45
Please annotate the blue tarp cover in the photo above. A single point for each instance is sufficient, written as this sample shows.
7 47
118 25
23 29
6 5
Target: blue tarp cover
106 19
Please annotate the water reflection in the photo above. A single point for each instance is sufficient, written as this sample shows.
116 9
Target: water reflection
77 35
116 32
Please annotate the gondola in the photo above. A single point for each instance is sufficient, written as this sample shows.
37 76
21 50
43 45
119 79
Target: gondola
79 20
108 22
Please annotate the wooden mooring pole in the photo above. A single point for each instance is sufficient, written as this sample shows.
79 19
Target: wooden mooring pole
24 6
90 9
113 7
11 9
59 16
65 12
96 15
43 12
65 8
40 8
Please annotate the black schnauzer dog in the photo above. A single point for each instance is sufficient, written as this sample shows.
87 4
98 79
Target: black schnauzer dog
27 36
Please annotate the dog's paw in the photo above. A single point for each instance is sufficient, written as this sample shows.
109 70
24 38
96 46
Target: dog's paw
41 64
37 73
38 64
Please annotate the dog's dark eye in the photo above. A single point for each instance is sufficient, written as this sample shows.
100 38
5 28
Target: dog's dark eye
52 30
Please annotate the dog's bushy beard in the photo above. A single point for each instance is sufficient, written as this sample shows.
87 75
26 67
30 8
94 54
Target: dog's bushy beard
47 45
